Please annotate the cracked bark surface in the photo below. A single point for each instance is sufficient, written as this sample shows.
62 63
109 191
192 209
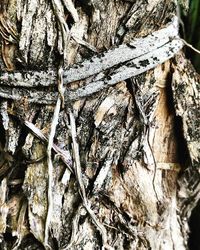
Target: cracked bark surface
138 140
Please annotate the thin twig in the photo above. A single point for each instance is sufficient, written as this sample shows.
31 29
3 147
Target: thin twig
72 10
64 155
61 88
54 123
154 162
80 181
146 132
190 46
50 169
64 29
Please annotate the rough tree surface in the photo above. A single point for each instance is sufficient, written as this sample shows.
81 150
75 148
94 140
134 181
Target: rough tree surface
125 161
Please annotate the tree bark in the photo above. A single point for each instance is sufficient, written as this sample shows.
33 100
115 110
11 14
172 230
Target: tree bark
124 169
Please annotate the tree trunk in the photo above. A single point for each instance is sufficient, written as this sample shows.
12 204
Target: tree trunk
123 172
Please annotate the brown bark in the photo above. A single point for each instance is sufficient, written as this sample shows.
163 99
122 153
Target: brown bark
137 140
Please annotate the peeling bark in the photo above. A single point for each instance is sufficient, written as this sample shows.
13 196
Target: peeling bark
125 158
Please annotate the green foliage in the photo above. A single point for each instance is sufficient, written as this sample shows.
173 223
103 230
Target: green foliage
192 25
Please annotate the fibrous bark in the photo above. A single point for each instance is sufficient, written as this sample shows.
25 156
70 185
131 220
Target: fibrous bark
125 158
